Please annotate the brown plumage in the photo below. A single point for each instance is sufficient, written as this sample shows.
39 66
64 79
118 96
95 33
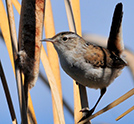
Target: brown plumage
101 57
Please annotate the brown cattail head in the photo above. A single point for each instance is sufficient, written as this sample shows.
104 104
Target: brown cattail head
30 33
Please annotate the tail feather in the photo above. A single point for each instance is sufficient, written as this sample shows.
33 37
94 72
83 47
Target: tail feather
115 41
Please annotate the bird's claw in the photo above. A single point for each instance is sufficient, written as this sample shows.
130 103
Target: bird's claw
86 114
84 110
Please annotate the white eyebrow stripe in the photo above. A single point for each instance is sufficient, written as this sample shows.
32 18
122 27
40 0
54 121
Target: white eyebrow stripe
71 35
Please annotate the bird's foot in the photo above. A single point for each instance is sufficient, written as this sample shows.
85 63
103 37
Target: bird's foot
86 114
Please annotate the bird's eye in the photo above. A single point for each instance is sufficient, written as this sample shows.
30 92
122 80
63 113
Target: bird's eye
64 38
87 44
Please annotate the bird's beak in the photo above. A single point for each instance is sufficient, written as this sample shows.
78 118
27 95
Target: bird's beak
47 40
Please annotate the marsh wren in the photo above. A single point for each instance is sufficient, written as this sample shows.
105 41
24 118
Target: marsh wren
88 64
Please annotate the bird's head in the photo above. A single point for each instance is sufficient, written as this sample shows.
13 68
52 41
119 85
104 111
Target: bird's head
64 41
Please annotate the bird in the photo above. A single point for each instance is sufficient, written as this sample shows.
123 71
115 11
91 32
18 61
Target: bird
89 64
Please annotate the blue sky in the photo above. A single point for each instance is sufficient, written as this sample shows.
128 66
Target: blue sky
96 18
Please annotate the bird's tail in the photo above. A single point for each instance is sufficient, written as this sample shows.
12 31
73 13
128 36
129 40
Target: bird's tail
115 40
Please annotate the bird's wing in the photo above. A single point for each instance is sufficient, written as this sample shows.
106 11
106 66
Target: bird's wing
97 56
101 57
115 40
